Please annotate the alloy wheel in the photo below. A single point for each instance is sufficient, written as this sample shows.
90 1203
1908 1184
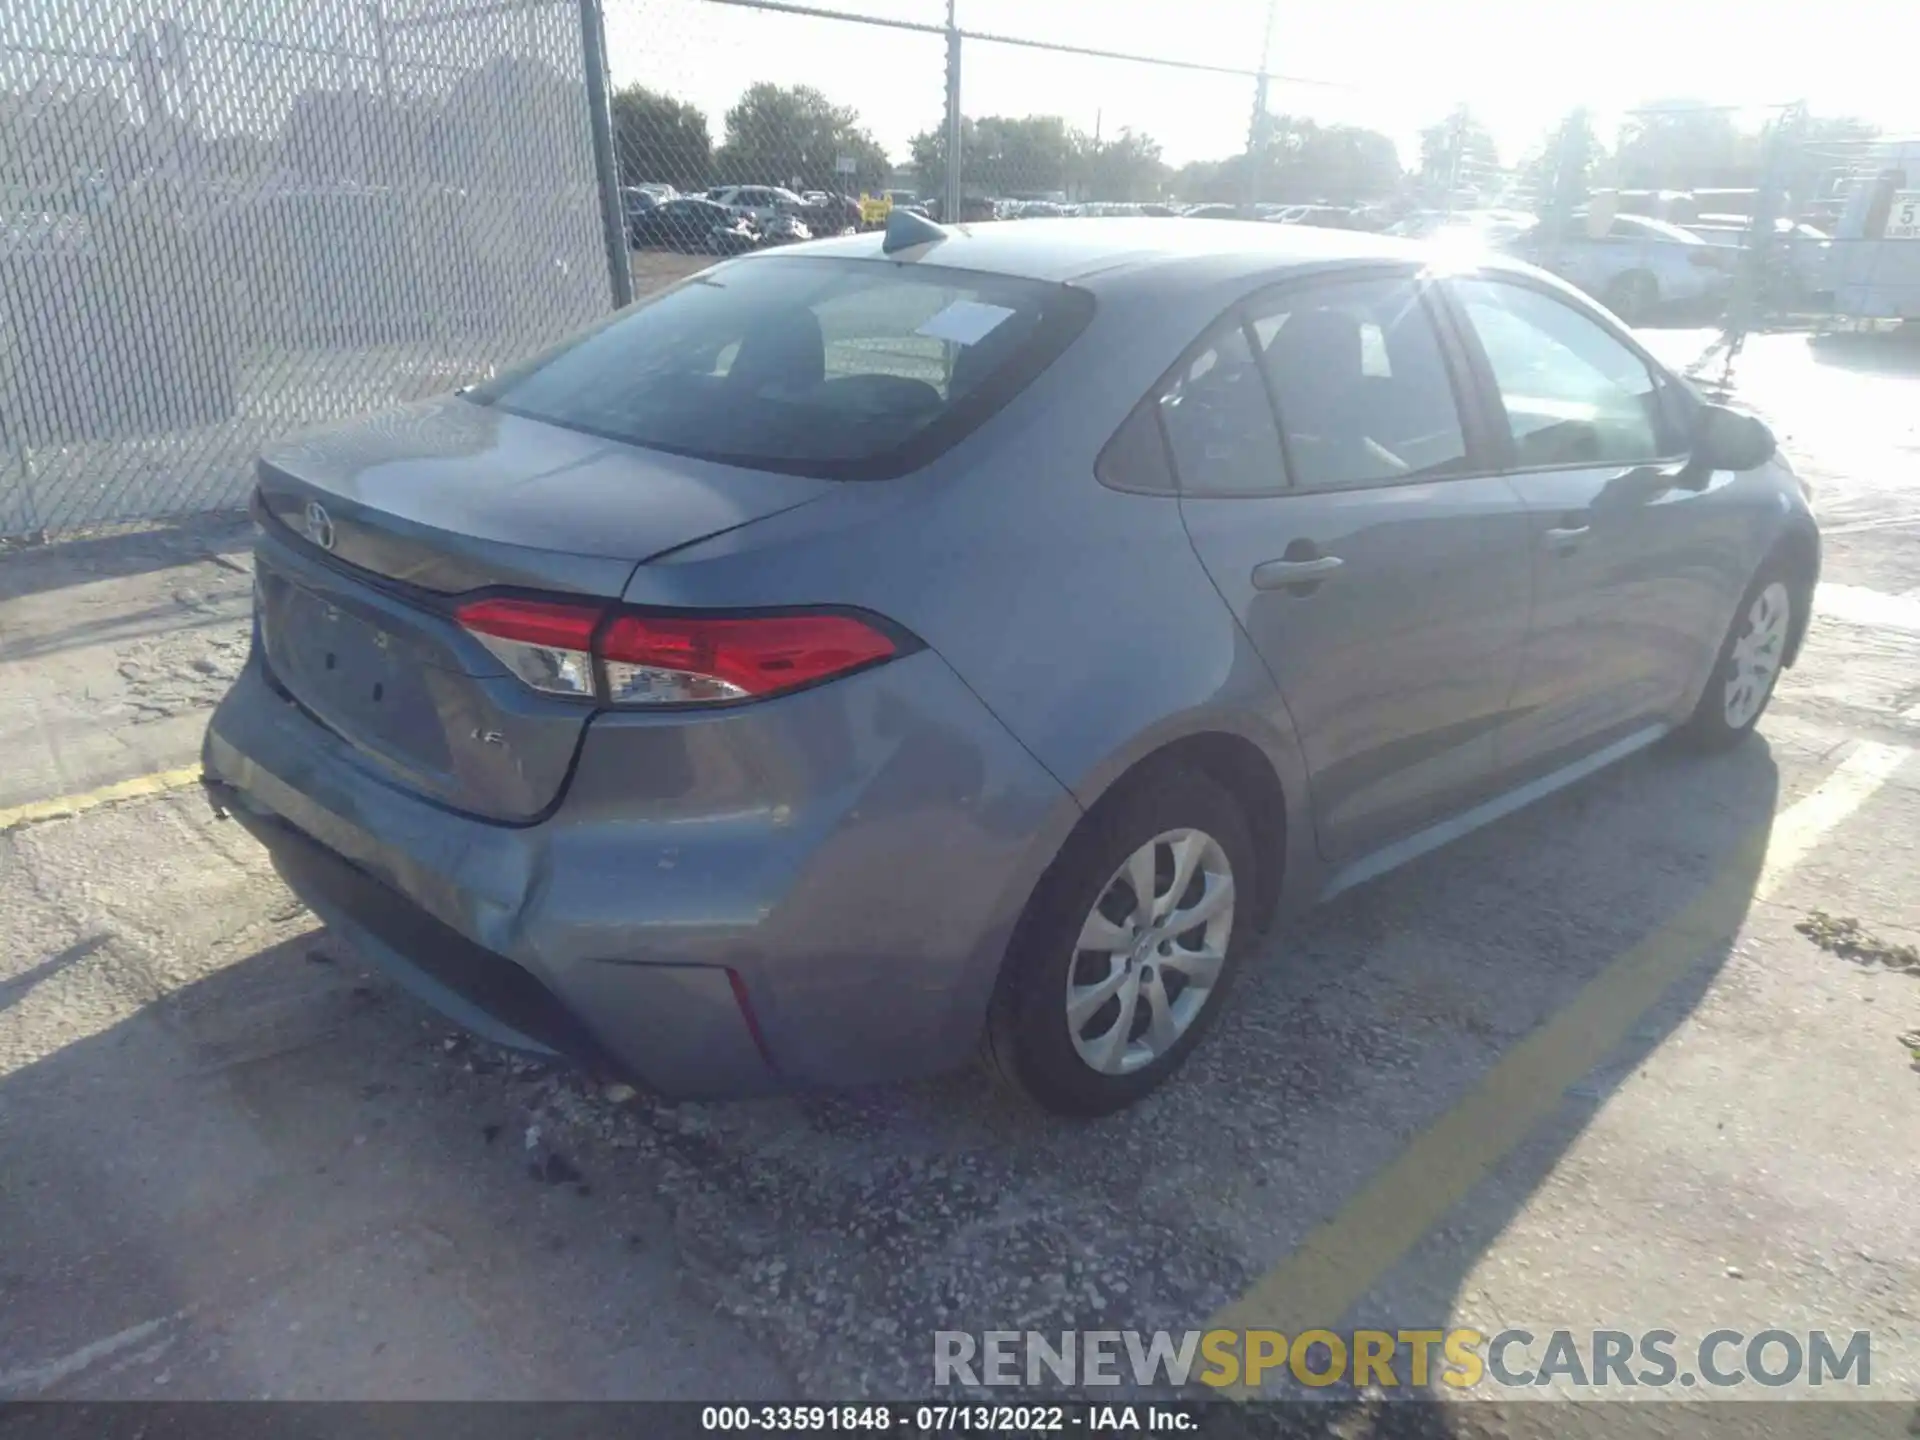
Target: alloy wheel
1150 952
1755 661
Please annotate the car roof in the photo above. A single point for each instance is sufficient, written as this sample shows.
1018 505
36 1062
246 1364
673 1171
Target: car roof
1128 248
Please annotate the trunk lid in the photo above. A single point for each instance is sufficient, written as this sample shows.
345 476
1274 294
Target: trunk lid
371 534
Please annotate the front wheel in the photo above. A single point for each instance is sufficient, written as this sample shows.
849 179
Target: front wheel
1126 950
1748 666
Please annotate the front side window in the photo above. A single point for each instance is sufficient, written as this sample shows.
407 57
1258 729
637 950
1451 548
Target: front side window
1361 384
1573 394
844 369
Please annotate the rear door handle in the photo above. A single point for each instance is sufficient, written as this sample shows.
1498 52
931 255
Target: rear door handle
1278 574
1563 537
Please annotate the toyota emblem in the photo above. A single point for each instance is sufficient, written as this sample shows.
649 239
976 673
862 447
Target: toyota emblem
319 525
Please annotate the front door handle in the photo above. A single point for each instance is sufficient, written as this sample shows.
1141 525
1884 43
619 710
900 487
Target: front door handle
1565 537
1279 574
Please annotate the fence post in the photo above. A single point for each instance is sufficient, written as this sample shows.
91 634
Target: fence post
950 202
382 48
1256 139
1748 304
606 170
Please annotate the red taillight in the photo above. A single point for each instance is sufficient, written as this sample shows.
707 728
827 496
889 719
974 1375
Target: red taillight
548 644
669 659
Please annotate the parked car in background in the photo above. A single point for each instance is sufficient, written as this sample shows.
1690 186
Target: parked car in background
688 224
1214 212
829 214
637 200
1332 217
784 230
1797 260
1482 227
653 700
1638 268
758 203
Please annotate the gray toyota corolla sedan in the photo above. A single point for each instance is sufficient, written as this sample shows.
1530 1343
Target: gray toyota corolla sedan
893 649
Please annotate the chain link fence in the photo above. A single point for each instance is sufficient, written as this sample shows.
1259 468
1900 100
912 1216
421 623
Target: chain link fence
244 218
736 126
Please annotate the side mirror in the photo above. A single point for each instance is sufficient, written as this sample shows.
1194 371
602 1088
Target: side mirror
1725 439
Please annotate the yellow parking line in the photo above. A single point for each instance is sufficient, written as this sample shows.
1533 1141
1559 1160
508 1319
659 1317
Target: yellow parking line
134 789
1341 1260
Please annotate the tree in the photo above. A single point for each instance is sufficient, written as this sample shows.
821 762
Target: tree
1029 155
927 154
1457 152
794 135
1127 167
659 138
1297 159
1684 144
1033 156
1340 163
1564 169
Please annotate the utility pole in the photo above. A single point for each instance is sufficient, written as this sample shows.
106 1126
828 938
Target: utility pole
1257 126
1456 152
950 201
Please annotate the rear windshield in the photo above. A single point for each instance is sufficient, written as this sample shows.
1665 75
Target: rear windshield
845 369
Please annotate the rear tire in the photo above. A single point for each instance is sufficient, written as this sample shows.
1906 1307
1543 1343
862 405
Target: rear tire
1749 663
1103 995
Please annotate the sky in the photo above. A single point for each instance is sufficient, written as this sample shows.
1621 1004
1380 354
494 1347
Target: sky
1389 64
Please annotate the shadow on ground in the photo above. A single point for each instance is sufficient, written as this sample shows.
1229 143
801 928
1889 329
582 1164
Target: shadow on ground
277 1182
1891 353
79 560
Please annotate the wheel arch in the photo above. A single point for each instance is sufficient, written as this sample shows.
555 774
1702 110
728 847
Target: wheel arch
1258 770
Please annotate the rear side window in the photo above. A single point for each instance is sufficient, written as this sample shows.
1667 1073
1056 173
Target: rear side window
1361 384
843 369
1136 457
1219 423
